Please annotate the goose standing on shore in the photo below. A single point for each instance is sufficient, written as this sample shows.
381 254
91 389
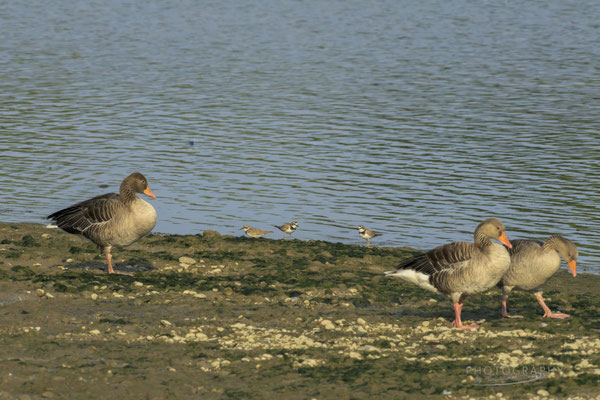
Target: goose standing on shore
532 264
460 269
111 219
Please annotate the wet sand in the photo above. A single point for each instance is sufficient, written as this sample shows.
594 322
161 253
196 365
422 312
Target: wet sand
210 316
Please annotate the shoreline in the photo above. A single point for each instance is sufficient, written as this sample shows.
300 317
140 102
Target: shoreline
247 318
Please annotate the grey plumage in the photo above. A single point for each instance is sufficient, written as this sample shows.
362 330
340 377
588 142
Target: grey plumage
460 269
111 219
533 262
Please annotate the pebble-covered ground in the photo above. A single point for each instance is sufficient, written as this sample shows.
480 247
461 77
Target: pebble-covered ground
210 316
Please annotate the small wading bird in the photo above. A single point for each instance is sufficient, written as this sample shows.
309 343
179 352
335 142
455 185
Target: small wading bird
287 228
367 234
111 219
254 232
460 269
532 264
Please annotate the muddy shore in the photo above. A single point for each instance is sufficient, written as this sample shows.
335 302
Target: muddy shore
210 316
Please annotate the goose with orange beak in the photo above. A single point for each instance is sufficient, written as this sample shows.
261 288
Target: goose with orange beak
532 264
111 219
460 269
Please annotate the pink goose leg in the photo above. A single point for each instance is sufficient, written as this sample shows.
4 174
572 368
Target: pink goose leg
547 312
504 312
108 260
457 321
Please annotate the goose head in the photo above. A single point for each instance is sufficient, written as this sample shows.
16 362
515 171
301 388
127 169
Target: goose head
138 183
568 252
494 229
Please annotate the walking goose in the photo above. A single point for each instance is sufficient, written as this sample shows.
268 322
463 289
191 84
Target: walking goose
532 264
460 269
111 219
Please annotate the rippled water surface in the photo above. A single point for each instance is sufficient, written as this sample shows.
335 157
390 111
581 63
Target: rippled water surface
416 119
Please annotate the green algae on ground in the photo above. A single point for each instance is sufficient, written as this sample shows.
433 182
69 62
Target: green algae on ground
263 318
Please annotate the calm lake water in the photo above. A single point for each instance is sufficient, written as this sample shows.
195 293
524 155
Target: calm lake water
416 119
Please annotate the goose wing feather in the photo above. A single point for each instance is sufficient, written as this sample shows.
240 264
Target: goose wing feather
87 215
520 245
449 256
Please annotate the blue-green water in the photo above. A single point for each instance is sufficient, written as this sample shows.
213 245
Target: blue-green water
416 119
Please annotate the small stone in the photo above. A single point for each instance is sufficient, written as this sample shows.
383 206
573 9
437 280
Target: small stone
40 292
200 296
543 392
165 322
361 321
327 324
227 291
138 284
94 332
310 363
49 296
187 260
48 395
94 296
425 323
355 355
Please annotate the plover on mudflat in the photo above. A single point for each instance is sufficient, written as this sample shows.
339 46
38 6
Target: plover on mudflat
367 234
254 232
287 228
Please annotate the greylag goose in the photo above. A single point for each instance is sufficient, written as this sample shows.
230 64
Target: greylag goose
367 234
532 264
254 232
111 219
460 269
287 228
